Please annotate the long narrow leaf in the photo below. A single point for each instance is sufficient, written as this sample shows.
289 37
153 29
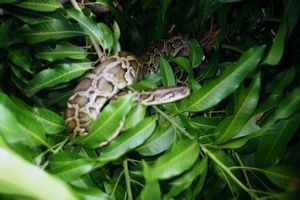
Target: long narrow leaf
215 91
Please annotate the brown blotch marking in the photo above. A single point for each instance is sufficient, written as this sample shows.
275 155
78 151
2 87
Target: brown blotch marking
83 85
93 111
134 64
104 85
118 72
69 112
124 54
156 59
144 96
145 57
83 117
100 99
101 66
71 125
159 45
80 100
169 48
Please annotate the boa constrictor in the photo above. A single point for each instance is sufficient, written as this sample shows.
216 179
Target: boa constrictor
114 74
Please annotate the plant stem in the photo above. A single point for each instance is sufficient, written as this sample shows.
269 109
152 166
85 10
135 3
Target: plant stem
227 170
173 123
127 179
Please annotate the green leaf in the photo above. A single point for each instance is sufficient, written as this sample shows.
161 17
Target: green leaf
52 29
150 191
9 129
61 73
167 74
277 49
247 105
51 122
134 116
273 142
215 91
288 105
20 57
64 50
162 138
129 139
103 129
91 193
195 53
99 32
283 176
183 62
41 6
186 180
29 179
182 156
74 169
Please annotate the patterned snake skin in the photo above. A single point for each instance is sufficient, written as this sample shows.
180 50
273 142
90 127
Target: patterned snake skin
114 74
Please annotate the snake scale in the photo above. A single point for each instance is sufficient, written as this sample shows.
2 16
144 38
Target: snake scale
115 73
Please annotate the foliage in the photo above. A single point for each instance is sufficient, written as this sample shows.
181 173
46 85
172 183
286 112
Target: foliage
236 135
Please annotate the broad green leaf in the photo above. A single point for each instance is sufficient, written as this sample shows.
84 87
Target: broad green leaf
91 193
283 176
273 143
183 62
277 49
161 19
9 129
248 103
107 123
215 91
162 138
21 58
61 73
41 6
167 74
150 191
28 123
129 139
64 50
182 156
99 32
204 122
134 116
182 183
229 1
195 53
51 122
31 181
289 105
74 169
52 29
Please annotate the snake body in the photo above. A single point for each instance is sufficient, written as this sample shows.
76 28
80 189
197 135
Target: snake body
115 73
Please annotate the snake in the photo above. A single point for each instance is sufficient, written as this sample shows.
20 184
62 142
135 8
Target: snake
116 72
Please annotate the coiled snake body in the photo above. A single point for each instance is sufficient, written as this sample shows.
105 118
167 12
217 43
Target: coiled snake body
114 74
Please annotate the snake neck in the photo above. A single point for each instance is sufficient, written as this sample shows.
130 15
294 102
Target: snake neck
149 61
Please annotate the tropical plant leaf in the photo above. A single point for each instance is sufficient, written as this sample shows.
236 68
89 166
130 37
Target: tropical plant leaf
21 58
273 142
99 32
51 122
195 53
64 50
9 128
215 91
159 141
29 179
73 170
129 139
41 6
186 180
135 116
179 159
167 74
107 123
231 126
52 29
61 73
283 176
